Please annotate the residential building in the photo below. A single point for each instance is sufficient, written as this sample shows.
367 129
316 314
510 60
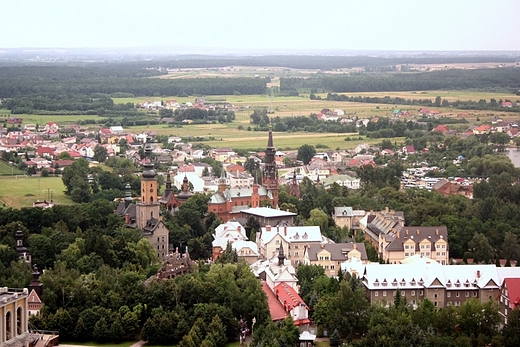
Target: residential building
430 242
269 216
293 239
509 297
379 223
347 217
330 256
342 180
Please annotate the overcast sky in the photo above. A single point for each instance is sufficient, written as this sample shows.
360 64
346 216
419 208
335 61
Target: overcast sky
263 24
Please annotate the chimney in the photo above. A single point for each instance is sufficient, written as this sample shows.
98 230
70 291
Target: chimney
355 246
418 232
437 232
277 230
478 273
239 228
322 245
386 209
285 230
371 212
127 218
406 232
267 228
398 234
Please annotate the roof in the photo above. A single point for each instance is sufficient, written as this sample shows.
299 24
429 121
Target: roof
292 233
268 212
418 234
288 296
275 307
513 290
338 251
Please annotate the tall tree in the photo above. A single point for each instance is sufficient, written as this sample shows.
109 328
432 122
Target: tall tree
306 153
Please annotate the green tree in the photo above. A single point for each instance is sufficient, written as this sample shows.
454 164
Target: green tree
100 153
306 153
481 249
335 338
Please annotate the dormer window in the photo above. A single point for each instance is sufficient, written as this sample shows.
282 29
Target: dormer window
412 282
448 284
376 283
421 282
403 282
457 284
385 283
394 283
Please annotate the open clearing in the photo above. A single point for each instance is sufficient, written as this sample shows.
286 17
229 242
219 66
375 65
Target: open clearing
23 191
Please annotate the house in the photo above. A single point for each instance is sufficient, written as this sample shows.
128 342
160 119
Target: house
347 217
294 239
279 283
483 129
441 129
342 180
448 188
221 154
430 242
507 104
409 149
331 255
383 222
509 297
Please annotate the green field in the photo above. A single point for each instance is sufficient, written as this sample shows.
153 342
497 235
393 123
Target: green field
9 170
22 191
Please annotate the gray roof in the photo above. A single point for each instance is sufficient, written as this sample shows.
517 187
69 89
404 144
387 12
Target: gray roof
338 251
418 234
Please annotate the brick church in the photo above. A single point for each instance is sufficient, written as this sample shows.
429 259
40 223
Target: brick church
228 202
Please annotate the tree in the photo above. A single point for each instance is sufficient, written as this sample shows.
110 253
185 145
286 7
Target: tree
481 249
100 154
510 247
335 338
306 153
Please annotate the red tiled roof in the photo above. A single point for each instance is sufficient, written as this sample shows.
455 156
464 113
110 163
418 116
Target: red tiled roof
513 290
275 307
288 296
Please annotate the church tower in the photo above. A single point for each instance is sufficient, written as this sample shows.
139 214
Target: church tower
270 174
149 206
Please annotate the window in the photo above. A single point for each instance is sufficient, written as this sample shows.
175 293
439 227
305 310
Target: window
295 254
412 293
420 293
467 294
435 304
326 267
435 296
384 292
376 293
475 294
457 294
277 242
332 267
406 254
448 294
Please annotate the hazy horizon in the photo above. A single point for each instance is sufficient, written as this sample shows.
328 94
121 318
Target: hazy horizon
264 26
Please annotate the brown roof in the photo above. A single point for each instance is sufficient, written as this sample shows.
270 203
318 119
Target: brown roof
418 234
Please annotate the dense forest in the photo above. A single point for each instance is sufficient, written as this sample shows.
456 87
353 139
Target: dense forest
503 79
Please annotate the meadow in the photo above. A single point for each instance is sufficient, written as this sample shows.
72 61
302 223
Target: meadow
22 191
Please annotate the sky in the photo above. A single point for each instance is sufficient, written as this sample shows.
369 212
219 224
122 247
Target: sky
267 25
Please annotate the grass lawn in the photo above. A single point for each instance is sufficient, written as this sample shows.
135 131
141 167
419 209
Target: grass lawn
322 344
43 119
9 170
23 191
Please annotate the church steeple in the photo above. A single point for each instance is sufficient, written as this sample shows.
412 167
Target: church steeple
270 173
281 256
168 183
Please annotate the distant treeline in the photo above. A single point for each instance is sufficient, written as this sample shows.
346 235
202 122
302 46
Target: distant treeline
498 79
319 62
482 104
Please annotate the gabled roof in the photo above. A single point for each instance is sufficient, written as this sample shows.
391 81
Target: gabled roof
288 296
513 291
275 307
338 251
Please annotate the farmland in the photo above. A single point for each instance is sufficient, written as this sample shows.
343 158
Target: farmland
22 191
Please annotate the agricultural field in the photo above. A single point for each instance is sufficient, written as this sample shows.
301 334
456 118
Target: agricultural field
22 191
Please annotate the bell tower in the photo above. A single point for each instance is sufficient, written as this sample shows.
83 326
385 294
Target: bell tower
148 207
270 173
